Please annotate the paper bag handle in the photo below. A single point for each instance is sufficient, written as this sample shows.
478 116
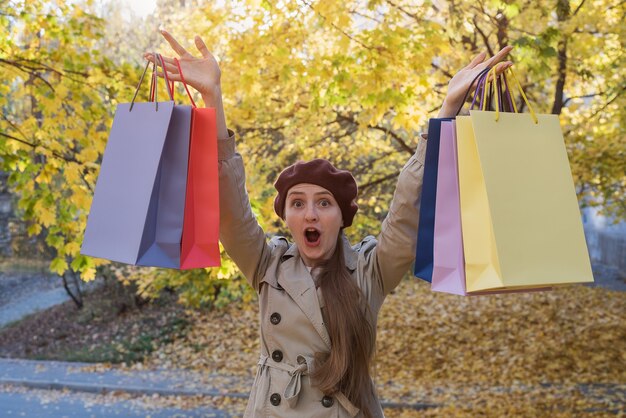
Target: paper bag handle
168 84
502 94
182 79
532 112
153 92
486 70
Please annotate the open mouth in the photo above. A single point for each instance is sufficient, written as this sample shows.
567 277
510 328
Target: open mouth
312 236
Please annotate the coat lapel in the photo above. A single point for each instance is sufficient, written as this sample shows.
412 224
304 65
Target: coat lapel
296 279
298 283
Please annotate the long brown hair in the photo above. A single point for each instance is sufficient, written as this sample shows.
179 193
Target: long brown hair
346 368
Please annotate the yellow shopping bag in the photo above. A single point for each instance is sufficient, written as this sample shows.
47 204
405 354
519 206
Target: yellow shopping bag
519 213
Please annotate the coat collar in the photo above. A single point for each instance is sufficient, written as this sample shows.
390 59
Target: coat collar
349 254
296 279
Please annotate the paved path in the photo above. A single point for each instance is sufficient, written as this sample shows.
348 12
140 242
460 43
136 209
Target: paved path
24 294
85 377
608 277
74 378
40 404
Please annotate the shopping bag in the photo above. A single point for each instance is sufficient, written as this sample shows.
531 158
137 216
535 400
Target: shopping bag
448 255
200 239
448 261
519 213
426 226
448 258
423 267
136 215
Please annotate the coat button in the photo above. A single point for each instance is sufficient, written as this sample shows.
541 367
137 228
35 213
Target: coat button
275 399
275 318
277 356
327 401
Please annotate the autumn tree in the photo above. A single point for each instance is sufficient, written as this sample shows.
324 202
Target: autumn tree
352 81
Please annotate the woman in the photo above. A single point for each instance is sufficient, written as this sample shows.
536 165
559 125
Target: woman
319 296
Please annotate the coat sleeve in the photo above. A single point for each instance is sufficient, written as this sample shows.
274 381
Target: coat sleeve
395 250
240 233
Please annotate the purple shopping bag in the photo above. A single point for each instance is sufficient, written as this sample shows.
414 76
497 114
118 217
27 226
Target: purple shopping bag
137 211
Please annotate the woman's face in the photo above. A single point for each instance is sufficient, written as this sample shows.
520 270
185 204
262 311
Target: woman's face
314 219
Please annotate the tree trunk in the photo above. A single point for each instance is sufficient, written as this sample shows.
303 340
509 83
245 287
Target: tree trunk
78 299
562 13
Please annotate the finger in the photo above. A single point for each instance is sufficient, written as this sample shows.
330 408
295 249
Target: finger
171 77
477 60
499 56
170 67
202 47
150 57
178 48
503 66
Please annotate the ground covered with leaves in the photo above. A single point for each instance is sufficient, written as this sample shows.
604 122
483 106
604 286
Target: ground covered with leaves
553 353
114 326
557 353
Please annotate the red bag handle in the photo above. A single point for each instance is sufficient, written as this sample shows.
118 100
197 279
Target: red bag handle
182 78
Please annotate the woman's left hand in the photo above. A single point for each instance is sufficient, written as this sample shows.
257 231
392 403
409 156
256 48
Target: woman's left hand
461 81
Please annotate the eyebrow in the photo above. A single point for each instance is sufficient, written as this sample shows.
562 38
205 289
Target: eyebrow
302 193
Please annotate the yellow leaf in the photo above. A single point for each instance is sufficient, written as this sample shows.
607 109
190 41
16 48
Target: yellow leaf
88 274
58 266
71 249
34 229
46 215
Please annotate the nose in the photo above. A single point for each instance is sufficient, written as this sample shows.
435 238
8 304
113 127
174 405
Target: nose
311 214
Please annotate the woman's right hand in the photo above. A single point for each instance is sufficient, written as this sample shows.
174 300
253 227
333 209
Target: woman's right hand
203 74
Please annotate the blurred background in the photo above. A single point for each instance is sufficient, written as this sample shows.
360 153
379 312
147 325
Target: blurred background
351 81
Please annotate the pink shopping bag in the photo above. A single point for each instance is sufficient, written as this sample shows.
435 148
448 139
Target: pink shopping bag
448 261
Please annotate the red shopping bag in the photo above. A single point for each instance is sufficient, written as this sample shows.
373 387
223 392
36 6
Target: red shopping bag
200 240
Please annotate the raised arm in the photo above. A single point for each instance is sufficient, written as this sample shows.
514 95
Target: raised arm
395 251
240 233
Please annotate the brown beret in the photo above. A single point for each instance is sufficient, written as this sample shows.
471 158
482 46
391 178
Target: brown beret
322 173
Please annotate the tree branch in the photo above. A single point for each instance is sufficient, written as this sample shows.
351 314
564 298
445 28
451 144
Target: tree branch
586 96
403 10
483 36
28 70
378 49
373 183
607 104
445 72
621 3
578 8
388 131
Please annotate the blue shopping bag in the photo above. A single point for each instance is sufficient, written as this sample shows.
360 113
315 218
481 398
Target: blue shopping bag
426 226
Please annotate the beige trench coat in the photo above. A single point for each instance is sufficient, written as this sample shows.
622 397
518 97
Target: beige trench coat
292 329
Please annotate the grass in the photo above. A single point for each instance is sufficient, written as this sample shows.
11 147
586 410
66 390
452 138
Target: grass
111 328
126 349
24 265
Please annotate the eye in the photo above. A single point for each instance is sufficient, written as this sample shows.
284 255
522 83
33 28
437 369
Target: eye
297 203
324 203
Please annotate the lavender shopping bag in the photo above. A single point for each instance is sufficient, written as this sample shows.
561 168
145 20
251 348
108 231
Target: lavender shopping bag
136 215
448 260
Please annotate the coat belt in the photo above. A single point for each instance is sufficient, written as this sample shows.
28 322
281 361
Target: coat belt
303 368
